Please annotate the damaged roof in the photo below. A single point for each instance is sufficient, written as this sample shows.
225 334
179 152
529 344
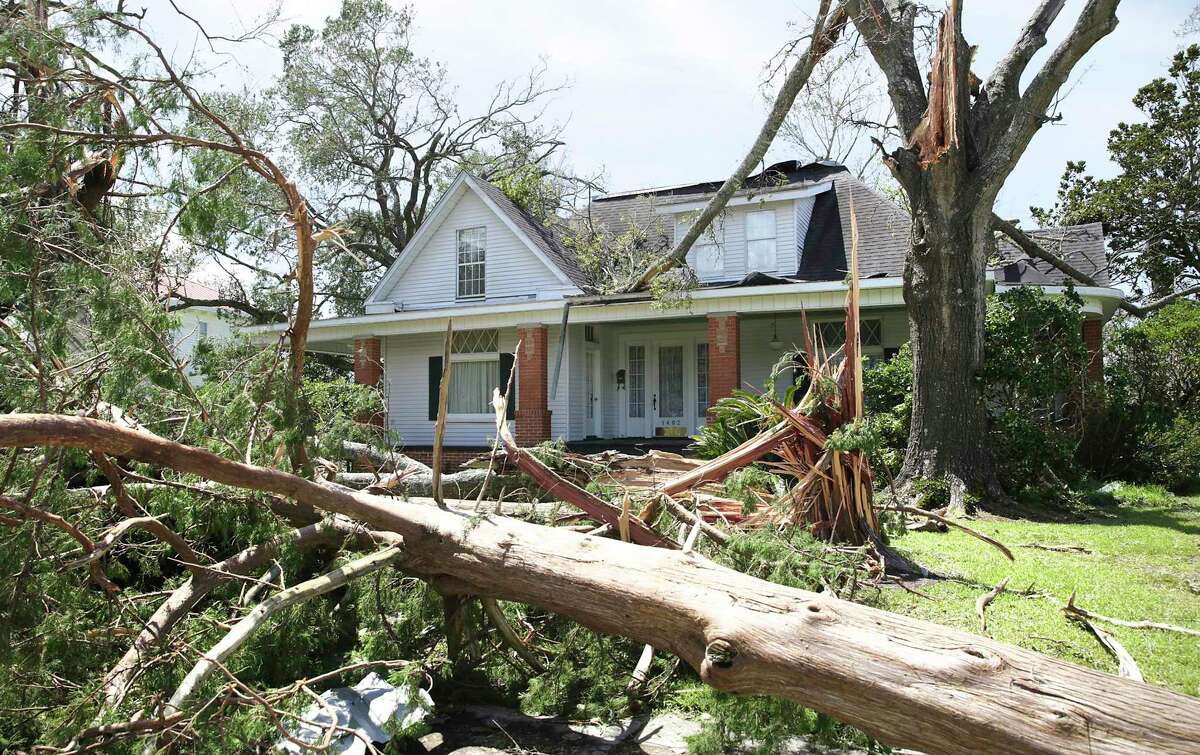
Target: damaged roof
1080 245
883 229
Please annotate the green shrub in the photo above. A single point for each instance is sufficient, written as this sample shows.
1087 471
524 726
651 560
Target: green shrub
1147 427
1035 358
1171 454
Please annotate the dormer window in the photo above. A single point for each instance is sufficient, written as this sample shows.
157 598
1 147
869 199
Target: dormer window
760 241
472 251
708 251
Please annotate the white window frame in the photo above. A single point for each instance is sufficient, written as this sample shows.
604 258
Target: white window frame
872 351
773 238
460 265
711 241
478 357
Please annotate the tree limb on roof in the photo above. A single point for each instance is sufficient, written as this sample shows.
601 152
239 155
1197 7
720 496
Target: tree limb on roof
1031 247
826 29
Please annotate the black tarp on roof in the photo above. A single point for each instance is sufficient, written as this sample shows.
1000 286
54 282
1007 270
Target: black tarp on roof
824 254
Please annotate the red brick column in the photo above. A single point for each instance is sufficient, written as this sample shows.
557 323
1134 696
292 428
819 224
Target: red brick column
368 370
1093 340
724 356
533 415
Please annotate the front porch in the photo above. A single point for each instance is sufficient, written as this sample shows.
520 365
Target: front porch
627 370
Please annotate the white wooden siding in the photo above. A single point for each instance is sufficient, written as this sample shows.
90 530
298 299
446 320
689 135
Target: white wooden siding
734 249
406 386
758 358
512 271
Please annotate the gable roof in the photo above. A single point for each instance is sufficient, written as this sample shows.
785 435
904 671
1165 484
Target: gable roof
537 239
542 235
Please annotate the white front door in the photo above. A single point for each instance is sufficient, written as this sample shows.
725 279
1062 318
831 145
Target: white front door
669 400
636 419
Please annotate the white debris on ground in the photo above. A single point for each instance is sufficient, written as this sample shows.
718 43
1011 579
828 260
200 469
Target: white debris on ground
365 713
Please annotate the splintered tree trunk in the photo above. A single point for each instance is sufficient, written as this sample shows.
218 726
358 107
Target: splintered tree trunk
945 295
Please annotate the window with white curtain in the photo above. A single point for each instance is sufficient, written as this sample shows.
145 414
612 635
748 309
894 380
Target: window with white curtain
760 241
709 250
471 382
475 371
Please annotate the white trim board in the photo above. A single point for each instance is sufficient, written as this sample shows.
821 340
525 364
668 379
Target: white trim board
669 208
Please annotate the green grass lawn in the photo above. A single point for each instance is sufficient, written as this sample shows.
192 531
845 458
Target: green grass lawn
1144 564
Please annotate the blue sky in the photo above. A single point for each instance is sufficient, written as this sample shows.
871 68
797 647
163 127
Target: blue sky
668 91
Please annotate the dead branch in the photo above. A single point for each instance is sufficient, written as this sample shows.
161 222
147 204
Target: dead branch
985 600
241 631
1083 613
1126 665
950 522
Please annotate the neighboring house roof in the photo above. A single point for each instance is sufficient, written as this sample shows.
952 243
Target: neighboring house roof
1080 245
174 285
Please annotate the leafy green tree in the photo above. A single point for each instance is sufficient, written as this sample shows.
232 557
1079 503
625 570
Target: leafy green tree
1151 208
1152 419
376 129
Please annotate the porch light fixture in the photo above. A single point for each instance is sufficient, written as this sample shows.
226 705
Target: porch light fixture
775 343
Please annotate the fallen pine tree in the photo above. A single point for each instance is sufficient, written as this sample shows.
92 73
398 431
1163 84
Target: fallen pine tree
905 681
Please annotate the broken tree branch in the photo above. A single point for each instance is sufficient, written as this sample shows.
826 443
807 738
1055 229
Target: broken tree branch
496 615
985 600
742 634
1075 610
263 611
1126 665
1030 246
826 29
554 485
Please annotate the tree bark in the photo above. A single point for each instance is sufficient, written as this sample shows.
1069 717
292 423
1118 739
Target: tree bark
964 139
945 293
905 681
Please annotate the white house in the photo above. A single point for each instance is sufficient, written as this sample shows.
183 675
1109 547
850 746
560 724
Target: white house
614 367
195 323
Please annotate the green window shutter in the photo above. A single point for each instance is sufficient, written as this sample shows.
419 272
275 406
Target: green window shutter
506 368
435 384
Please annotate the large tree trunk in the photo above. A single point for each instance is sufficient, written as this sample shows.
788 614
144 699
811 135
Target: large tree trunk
964 137
945 294
905 681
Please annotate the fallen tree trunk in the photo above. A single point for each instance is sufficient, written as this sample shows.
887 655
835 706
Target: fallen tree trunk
463 484
905 681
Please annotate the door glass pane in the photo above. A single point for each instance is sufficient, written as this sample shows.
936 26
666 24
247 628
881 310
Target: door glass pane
637 381
589 379
701 381
670 381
